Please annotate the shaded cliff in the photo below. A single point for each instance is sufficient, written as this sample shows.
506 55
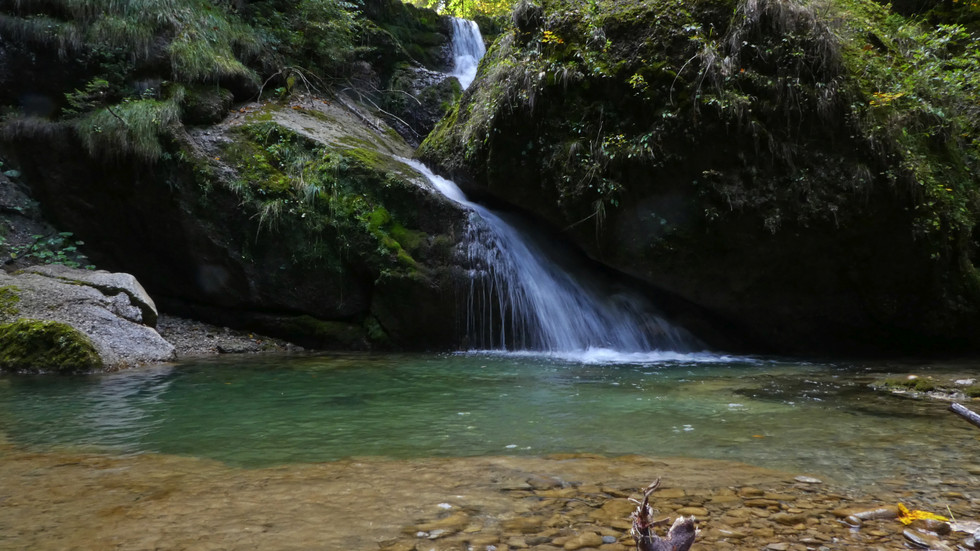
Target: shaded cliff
234 158
806 171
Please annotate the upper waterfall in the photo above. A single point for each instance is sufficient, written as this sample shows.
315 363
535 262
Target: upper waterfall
521 298
468 49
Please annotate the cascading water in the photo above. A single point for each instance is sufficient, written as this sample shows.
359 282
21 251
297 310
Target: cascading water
521 299
468 49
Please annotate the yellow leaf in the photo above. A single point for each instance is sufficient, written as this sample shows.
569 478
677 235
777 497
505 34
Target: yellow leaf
908 517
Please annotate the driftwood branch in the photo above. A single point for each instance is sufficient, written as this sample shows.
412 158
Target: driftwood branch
965 413
680 537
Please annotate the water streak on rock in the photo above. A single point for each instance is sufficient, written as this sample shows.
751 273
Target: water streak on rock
522 298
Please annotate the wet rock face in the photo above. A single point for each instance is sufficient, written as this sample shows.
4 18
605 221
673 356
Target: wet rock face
68 320
420 97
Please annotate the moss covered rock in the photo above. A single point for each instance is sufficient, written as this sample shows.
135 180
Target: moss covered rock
287 211
205 105
758 159
9 298
29 346
420 98
112 311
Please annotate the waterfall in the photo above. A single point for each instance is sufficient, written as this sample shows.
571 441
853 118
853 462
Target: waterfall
468 48
521 298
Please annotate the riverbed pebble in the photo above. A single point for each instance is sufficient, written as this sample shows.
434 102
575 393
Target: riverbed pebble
773 518
808 480
394 505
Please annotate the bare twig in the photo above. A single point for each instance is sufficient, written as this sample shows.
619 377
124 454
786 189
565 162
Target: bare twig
680 537
113 113
363 97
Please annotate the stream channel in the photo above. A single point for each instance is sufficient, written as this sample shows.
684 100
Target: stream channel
353 451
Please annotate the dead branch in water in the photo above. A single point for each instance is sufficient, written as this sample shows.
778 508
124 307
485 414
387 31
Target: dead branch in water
965 413
680 537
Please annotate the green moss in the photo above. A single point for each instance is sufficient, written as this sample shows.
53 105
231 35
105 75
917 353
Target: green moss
8 302
410 240
377 218
328 202
41 346
973 391
375 332
324 334
917 384
205 104
268 158
367 155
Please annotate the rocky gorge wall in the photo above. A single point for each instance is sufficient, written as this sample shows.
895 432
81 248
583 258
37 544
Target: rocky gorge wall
288 215
751 158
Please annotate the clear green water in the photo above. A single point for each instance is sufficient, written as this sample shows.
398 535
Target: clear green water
259 411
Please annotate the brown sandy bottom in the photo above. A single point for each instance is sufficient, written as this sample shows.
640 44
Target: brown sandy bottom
62 500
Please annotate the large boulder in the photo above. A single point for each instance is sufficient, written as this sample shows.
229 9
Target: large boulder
67 319
140 307
293 219
759 159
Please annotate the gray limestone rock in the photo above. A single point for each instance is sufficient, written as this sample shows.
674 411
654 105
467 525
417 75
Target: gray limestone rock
110 284
112 309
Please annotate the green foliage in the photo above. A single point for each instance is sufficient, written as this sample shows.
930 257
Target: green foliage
468 9
919 88
134 126
202 41
644 81
61 248
94 95
317 35
294 184
30 346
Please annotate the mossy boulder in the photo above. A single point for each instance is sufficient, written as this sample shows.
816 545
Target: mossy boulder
111 311
31 346
757 159
282 213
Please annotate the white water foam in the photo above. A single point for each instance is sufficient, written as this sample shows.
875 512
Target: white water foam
468 49
607 356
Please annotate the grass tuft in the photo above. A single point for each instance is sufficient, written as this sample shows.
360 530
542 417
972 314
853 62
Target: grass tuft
131 127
